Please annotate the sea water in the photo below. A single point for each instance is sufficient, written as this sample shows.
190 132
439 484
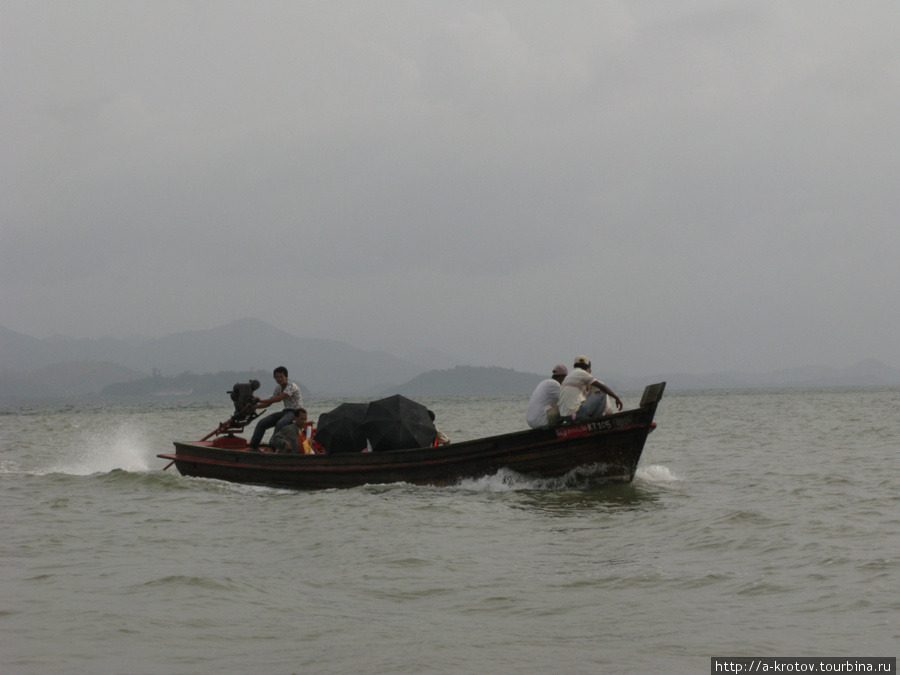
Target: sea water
759 523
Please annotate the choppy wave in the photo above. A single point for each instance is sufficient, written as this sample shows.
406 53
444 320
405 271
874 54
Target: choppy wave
583 477
655 474
83 452
758 528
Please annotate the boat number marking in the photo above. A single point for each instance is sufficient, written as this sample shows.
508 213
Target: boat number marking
583 429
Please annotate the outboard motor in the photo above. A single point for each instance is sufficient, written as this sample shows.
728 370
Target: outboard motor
243 398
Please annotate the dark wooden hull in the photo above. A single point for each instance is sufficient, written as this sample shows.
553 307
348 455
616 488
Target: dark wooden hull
609 448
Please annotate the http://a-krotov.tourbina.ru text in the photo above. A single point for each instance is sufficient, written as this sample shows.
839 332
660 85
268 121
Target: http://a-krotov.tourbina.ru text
804 664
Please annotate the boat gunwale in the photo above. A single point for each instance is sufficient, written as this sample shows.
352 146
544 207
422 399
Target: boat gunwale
376 461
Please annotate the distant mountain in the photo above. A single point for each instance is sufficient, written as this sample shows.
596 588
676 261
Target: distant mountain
84 377
61 380
64 366
324 366
15 387
209 387
867 373
20 352
472 380
468 380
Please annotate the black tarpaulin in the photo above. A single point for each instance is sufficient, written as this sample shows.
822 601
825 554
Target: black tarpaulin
398 423
341 430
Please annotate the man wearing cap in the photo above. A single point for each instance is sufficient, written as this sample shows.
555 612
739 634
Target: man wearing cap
542 409
582 396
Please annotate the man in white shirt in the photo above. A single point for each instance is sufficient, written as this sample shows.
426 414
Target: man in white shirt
285 391
582 396
542 410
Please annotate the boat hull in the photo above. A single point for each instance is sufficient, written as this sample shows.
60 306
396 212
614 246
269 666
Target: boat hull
608 449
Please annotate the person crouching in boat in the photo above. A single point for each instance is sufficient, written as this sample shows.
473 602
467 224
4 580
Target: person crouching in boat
441 438
582 396
542 408
290 440
285 391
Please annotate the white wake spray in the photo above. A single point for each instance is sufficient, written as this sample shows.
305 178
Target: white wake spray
102 449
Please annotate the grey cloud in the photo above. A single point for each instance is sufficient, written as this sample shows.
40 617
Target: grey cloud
669 186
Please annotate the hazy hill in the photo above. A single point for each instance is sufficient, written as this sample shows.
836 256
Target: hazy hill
866 373
324 366
83 377
468 380
471 380
20 352
210 387
78 378
22 386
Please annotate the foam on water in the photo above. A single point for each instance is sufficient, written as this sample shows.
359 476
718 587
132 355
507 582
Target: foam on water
655 474
581 477
502 481
122 446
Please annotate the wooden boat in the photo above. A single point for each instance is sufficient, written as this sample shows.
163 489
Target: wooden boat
607 449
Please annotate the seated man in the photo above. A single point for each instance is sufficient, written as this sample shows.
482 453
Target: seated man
284 391
290 439
582 396
542 408
441 438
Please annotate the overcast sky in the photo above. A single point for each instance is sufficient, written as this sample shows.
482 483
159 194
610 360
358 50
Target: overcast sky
664 186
